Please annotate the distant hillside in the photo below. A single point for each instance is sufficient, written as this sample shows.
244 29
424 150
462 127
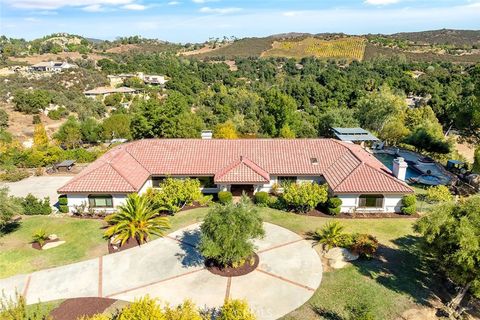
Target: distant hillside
247 47
459 46
443 36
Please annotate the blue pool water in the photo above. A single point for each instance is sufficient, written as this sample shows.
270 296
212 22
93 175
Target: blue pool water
387 160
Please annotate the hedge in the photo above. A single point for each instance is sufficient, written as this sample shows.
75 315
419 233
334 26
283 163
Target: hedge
225 197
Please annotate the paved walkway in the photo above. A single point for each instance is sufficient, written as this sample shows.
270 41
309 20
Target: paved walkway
171 269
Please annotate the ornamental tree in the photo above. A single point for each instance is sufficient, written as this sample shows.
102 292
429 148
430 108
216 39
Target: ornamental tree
452 235
228 231
305 196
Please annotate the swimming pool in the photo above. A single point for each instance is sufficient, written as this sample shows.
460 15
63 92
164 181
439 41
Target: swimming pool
387 160
427 173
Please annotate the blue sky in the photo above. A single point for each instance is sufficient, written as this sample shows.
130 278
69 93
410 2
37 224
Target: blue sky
197 20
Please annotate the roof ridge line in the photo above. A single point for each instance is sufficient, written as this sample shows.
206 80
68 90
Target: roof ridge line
253 167
121 175
137 161
348 175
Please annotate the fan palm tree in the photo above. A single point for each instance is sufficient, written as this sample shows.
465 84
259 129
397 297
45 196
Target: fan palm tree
329 235
136 219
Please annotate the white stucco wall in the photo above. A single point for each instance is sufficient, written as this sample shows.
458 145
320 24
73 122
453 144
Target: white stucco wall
79 199
391 203
147 184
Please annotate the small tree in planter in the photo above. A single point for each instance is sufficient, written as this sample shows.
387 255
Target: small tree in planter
136 219
305 196
228 231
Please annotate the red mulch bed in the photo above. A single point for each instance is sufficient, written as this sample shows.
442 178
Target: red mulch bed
358 215
36 246
214 268
129 244
72 309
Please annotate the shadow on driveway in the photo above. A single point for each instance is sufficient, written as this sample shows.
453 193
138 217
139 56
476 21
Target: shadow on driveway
190 257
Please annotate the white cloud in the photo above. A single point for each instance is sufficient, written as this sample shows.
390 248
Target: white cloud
55 4
93 8
134 6
173 3
381 2
219 10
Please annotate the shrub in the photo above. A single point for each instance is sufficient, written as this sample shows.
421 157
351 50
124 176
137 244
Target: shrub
63 208
439 194
186 311
36 119
409 203
144 308
345 240
409 210
330 235
361 311
228 231
15 308
174 194
364 244
409 200
262 198
62 200
34 206
225 197
236 310
304 197
14 174
58 114
334 206
40 236
9 207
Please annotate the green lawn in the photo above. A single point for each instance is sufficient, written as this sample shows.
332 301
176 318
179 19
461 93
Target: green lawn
83 241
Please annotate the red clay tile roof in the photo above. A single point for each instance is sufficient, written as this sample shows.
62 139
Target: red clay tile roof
346 167
242 170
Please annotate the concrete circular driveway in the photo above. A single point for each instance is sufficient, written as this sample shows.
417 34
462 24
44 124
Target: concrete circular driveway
172 270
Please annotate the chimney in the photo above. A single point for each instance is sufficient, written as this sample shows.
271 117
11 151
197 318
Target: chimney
207 134
400 168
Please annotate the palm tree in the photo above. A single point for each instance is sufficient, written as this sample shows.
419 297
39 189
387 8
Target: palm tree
136 219
330 235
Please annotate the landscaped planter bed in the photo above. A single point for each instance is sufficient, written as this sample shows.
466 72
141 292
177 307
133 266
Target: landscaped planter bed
73 309
36 245
246 268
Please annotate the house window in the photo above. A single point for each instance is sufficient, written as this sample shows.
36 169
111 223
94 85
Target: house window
371 201
100 201
286 181
157 181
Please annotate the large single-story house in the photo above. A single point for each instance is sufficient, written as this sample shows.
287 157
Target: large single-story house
251 165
